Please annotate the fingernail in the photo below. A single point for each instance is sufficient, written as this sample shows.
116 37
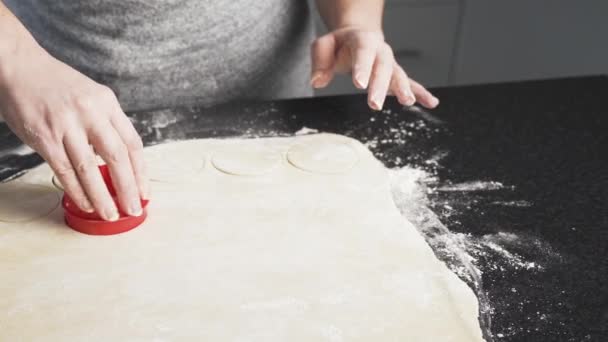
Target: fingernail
360 80
86 206
377 102
410 101
434 101
409 97
316 76
135 209
111 214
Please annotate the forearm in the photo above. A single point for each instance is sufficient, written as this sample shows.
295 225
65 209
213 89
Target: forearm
365 14
15 40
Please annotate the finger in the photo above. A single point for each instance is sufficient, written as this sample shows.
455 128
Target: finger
59 162
400 86
85 165
135 149
424 96
380 78
323 57
113 151
363 61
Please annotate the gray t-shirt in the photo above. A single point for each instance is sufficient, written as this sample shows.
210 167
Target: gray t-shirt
160 53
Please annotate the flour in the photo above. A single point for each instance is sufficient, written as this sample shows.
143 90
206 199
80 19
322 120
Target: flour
516 203
396 135
468 255
410 195
473 186
305 130
157 121
21 150
8 170
13 149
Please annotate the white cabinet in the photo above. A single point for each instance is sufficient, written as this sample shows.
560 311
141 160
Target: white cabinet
530 39
423 36
447 42
423 39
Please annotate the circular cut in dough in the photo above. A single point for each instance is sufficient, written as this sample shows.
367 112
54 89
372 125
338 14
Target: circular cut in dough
323 155
21 202
173 163
243 160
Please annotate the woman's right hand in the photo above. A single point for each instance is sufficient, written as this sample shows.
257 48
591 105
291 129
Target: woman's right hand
67 118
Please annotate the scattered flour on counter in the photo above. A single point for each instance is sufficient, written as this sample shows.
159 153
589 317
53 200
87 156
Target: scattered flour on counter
467 255
305 130
410 194
160 119
8 170
473 186
518 203
21 150
396 135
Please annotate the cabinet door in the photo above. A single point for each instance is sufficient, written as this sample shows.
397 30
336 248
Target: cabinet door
423 39
531 39
422 35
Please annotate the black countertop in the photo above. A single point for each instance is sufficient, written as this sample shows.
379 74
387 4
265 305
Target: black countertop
521 182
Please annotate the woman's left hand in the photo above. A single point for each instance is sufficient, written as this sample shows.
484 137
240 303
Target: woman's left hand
371 62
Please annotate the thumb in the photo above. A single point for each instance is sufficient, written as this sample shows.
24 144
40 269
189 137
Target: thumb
323 55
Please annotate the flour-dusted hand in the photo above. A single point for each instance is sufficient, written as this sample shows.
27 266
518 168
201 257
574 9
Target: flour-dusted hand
372 64
67 118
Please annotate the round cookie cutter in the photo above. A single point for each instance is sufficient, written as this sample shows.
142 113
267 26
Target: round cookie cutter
92 223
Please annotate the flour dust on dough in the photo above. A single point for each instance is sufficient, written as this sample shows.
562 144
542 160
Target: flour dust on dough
325 155
163 167
284 256
26 202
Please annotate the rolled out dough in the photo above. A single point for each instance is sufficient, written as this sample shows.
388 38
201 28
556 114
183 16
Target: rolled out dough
26 202
290 255
333 154
163 167
253 159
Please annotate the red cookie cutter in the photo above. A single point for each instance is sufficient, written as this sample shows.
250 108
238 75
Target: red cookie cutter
92 223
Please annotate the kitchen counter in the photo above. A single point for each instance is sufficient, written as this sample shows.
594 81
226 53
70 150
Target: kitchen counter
518 174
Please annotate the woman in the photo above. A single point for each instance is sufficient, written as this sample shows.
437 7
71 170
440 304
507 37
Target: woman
70 69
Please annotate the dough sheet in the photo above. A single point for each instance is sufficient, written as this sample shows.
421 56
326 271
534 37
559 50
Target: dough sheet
289 251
